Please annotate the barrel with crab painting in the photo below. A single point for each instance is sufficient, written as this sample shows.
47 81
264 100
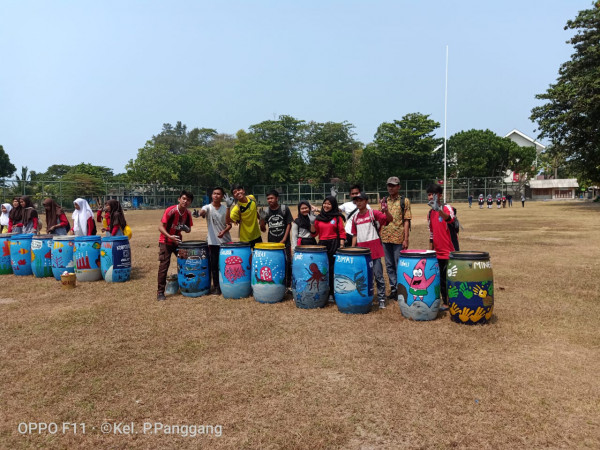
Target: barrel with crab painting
234 269
353 280
268 272
41 255
5 266
418 284
310 276
62 255
470 287
193 271
20 254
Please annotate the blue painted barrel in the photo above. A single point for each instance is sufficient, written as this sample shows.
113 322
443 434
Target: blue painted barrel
234 270
268 272
193 268
115 259
418 284
353 280
20 254
310 276
41 255
62 255
5 265
86 254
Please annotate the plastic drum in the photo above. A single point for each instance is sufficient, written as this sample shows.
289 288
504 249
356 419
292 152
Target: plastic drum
470 287
41 255
234 270
268 272
62 255
193 268
353 280
20 254
5 265
310 276
115 259
418 284
86 253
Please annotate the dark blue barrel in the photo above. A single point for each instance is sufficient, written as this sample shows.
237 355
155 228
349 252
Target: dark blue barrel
86 254
20 254
41 255
115 259
193 268
234 270
268 272
310 276
353 280
418 284
62 255
5 265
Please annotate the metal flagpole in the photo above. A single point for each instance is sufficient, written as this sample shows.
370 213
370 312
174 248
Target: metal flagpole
445 122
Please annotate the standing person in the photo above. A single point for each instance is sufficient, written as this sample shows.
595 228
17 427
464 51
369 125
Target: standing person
303 227
365 233
15 217
215 214
83 218
30 221
245 213
498 201
394 234
480 200
504 201
174 219
56 219
329 226
349 209
523 200
117 221
509 198
470 200
5 218
279 219
103 216
440 218
490 201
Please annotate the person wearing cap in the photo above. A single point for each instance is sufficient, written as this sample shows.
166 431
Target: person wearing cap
350 209
395 234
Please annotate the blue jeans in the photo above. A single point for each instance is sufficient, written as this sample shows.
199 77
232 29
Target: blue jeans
392 255
379 280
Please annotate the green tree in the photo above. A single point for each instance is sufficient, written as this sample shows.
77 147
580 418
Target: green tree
81 185
154 164
521 160
6 167
570 116
100 172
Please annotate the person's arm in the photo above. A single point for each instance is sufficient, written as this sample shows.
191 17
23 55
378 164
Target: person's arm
289 219
354 240
35 224
10 225
90 226
165 233
342 231
430 231
294 237
99 215
406 231
287 233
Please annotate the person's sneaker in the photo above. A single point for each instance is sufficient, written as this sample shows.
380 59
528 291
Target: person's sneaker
444 307
161 297
331 300
382 304
217 291
393 295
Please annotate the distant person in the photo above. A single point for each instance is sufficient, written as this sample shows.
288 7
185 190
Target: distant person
5 218
176 218
523 201
56 219
83 218
470 200
117 222
490 201
480 200
509 198
504 201
245 213
30 221
349 209
215 214
498 201
103 217
303 227
15 217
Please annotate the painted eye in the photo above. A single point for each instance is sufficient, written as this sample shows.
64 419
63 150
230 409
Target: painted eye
417 273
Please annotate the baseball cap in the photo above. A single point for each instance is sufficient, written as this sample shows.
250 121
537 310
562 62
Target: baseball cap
393 180
362 196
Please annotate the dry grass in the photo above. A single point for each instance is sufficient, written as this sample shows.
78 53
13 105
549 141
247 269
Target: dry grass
275 376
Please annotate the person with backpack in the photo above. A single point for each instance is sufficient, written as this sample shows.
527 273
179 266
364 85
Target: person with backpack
443 235
350 209
175 219
83 218
56 219
245 213
366 224
394 235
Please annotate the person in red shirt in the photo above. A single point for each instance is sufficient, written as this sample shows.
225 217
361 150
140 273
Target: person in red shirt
117 221
440 240
56 219
175 219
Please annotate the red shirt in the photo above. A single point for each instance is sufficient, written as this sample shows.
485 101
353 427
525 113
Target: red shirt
170 219
327 230
439 233
366 233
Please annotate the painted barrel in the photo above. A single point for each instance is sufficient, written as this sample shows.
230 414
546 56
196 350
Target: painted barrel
193 268
5 265
310 276
41 255
470 287
268 272
418 284
115 259
234 270
62 255
353 280
20 254
86 253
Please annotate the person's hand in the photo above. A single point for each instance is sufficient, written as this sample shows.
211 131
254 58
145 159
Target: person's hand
228 200
384 205
312 218
405 244
262 214
221 234
433 204
175 238
334 191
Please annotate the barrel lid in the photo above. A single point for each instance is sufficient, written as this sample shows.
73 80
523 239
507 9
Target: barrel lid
69 237
44 236
270 246
22 236
417 253
114 238
88 238
192 244
354 251
235 245
470 255
4 235
311 248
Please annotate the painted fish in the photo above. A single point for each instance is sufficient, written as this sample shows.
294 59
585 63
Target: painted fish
71 244
23 251
48 255
32 257
343 284
96 245
21 262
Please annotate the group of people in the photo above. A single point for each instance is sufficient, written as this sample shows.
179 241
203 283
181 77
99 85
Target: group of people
501 201
385 232
22 217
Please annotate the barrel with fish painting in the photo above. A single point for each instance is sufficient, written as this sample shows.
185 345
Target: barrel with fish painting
62 255
234 269
418 284
20 254
310 276
86 253
193 271
41 255
353 280
5 266
268 272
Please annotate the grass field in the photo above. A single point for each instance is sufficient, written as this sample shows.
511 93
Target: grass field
274 376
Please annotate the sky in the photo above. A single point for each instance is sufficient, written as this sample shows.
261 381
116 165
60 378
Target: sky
92 81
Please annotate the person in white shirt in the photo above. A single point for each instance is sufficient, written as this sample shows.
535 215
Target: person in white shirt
349 209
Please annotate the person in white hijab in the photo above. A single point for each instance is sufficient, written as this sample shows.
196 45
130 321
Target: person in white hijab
81 217
4 219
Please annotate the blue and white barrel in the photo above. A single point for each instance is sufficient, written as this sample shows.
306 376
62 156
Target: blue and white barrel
41 255
20 254
86 253
234 270
193 268
418 284
310 276
268 272
115 259
353 280
62 255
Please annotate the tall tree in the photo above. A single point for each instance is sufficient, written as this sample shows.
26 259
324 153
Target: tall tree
570 118
154 164
6 167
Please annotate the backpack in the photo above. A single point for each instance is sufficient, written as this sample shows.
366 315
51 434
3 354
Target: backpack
374 222
453 228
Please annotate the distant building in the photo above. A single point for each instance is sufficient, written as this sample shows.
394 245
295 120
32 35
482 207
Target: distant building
559 189
522 140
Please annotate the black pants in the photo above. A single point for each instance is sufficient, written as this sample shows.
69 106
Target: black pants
214 251
164 261
332 246
443 263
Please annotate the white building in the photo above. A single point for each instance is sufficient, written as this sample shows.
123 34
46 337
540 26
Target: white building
559 189
522 140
